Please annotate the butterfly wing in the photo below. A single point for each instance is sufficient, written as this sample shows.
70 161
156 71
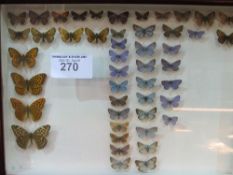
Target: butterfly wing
182 16
195 34
36 82
20 83
44 17
166 84
119 115
20 109
118 101
22 136
123 17
34 17
65 36
49 35
167 30
175 84
162 16
149 31
77 34
119 127
145 166
96 15
164 101
147 149
90 35
16 57
122 87
139 31
175 101
166 119
142 16
210 18
79 17
119 151
31 57
221 36
36 35
118 45
36 109
20 19
118 164
40 135
116 34
102 36
119 139
19 35
60 16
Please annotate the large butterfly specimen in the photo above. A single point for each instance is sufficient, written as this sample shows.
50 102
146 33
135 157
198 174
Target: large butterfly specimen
17 19
18 35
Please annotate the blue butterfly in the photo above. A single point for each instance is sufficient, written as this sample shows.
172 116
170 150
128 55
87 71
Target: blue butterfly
118 45
122 57
195 34
146 115
174 102
145 99
146 67
174 84
145 50
170 66
171 49
121 72
121 87
145 84
170 120
141 32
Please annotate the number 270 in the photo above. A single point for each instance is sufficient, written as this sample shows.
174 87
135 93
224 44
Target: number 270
69 66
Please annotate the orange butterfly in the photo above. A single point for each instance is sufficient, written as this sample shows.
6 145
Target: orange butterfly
119 139
102 36
60 16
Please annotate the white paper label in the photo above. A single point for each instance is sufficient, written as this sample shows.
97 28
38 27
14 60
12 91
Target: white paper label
71 66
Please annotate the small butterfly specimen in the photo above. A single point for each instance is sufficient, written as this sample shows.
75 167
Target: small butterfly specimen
60 17
17 19
182 16
195 34
166 103
23 112
166 66
169 120
118 101
28 59
118 87
39 18
71 36
116 58
96 15
19 35
119 115
142 16
174 84
147 149
119 151
173 50
119 127
48 36
146 67
145 84
224 38
142 51
162 16
79 16
224 19
118 44
146 133
146 115
145 99
23 137
96 37
119 139
118 34
121 72
202 19
168 31
118 18
120 165
145 166
141 32
33 85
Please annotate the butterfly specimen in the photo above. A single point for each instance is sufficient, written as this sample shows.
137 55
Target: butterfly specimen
146 115
17 19
120 164
182 16
79 16
202 19
118 34
39 18
169 120
121 72
46 36
119 139
146 67
119 127
224 19
147 149
28 59
141 32
19 35
173 50
115 57
145 84
146 133
118 87
145 166
121 18
33 85
224 38
118 101
174 102
118 44
166 66
23 137
195 34
71 36
162 16
96 15
168 31
145 99
174 84
119 151
23 112
145 50
60 17
142 16
96 37
119 115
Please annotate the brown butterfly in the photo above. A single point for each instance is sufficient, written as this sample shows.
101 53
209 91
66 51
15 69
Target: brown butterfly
17 19
63 17
118 101
119 127
224 38
121 17
29 58
39 18
182 16
69 36
95 37
119 139
33 85
162 16
79 16
142 16
96 15
120 165
174 32
145 166
23 112
224 19
19 35
46 36
119 151
118 34
204 19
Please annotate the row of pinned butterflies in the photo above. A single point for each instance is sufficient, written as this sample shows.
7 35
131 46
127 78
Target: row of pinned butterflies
35 18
